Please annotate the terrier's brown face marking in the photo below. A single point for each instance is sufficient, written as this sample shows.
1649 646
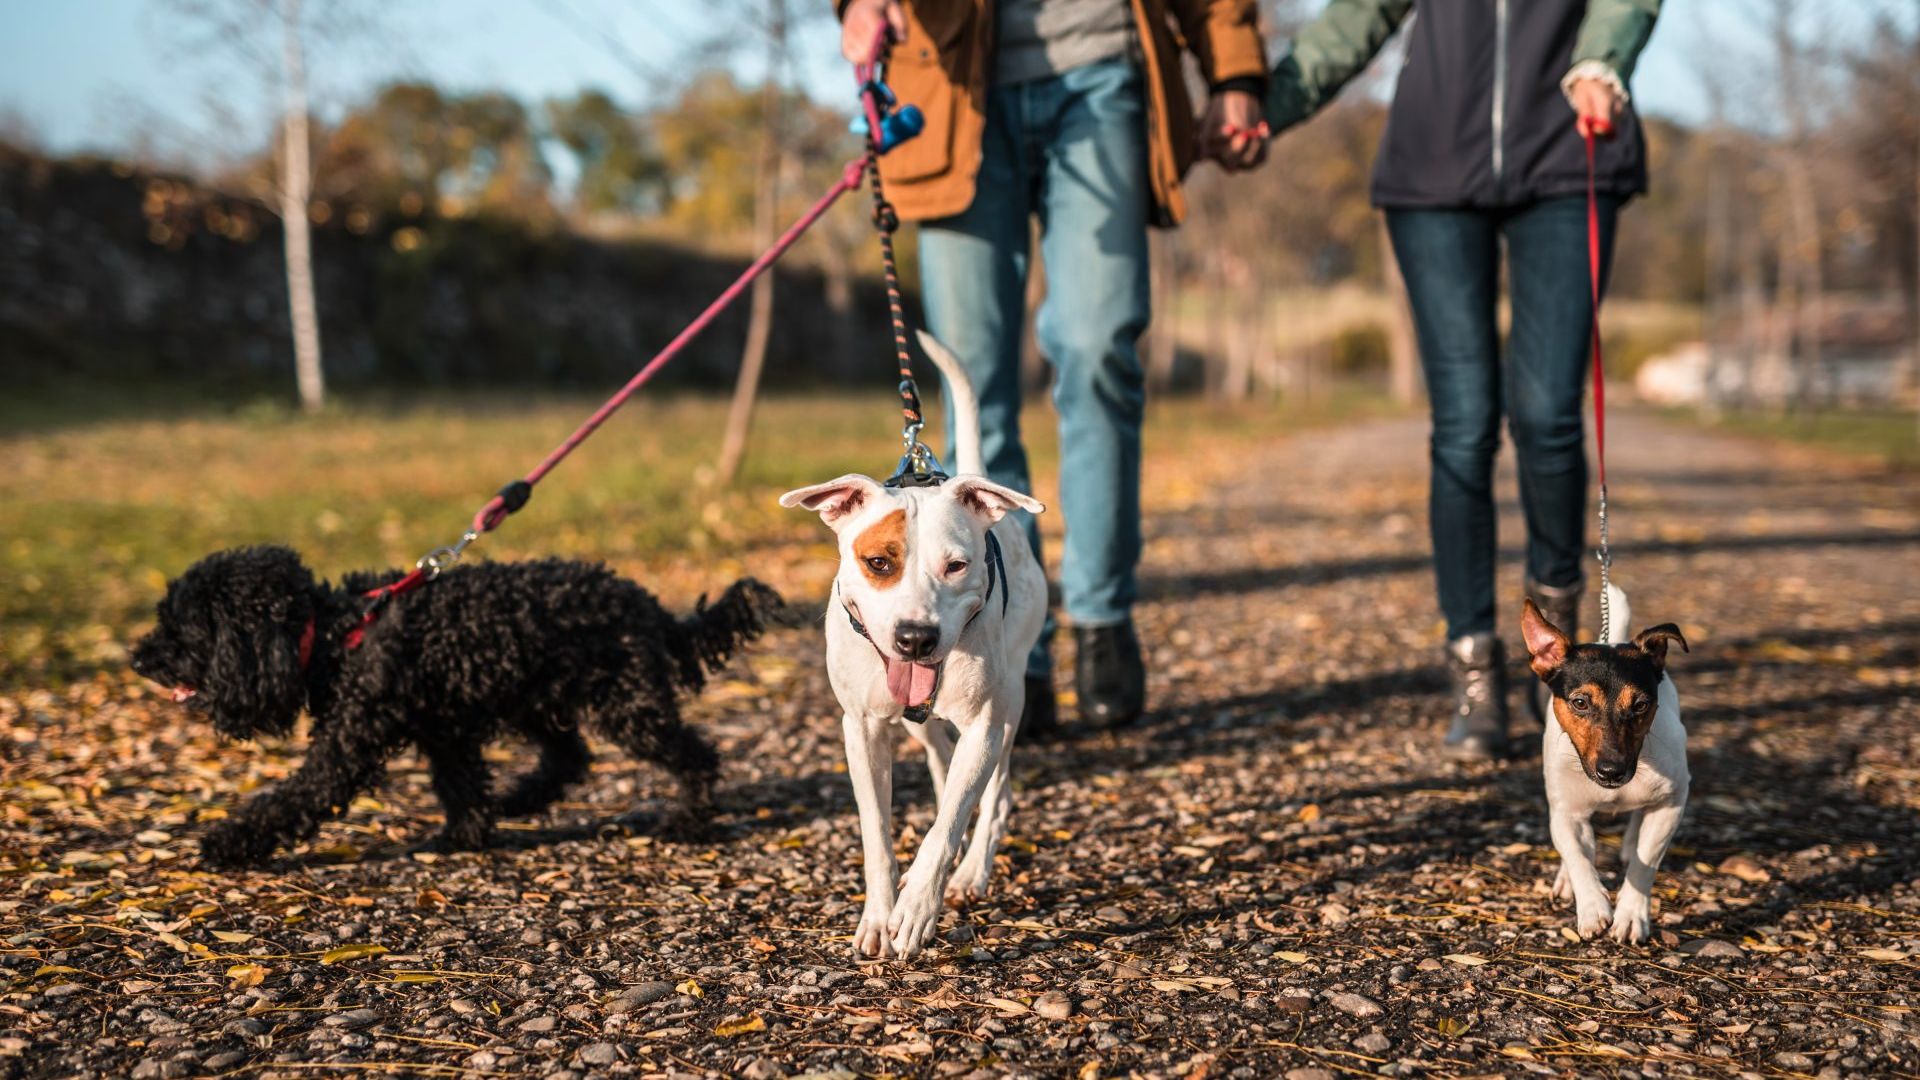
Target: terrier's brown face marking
882 550
1604 696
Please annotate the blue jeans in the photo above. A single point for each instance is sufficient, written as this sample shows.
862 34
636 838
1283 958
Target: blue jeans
1072 150
1451 262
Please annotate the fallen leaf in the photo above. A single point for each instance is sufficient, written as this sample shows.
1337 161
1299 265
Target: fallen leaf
1451 1026
1883 954
233 937
1465 959
1292 957
1007 1005
751 1022
1309 814
351 952
691 989
245 975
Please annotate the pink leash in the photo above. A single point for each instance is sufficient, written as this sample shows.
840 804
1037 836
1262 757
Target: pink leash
515 495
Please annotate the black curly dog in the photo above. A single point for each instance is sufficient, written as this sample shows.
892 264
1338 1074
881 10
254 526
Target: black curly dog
533 648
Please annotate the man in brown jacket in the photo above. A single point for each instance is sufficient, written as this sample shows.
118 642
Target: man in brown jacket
1074 111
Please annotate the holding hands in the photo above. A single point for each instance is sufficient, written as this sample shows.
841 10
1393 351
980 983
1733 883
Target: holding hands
1234 131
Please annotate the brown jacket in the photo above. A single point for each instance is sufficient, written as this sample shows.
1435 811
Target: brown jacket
945 66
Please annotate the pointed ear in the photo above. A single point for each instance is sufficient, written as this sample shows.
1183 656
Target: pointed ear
836 500
986 499
1653 641
1545 643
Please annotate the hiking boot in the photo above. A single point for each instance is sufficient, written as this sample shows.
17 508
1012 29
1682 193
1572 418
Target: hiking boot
1109 677
1478 663
1040 717
1561 607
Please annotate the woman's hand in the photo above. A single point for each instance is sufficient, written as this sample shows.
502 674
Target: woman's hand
862 21
1234 131
1595 104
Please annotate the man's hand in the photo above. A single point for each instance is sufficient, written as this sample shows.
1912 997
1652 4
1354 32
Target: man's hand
1234 131
1595 105
861 21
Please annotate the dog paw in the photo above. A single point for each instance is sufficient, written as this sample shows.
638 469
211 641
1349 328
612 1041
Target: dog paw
915 914
1593 918
969 883
1632 922
870 937
1562 885
228 844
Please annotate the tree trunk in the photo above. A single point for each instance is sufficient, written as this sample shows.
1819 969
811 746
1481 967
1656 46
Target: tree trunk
766 199
296 180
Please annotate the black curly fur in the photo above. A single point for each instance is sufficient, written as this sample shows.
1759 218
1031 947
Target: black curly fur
533 648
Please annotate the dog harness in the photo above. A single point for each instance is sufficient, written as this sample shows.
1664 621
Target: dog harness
996 572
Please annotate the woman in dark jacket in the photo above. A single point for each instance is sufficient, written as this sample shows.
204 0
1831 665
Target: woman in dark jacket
1483 145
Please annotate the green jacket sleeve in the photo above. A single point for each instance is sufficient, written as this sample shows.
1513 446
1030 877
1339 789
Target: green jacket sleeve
1614 32
1329 51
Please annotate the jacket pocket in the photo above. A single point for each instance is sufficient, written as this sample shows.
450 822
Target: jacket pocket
933 69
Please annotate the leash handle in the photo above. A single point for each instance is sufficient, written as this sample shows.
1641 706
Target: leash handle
1589 131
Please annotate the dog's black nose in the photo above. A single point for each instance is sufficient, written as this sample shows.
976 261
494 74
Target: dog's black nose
1611 772
916 641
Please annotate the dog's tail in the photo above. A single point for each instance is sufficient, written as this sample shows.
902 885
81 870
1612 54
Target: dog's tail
966 407
1619 616
709 636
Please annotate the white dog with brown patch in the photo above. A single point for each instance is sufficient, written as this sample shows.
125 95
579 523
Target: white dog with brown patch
936 605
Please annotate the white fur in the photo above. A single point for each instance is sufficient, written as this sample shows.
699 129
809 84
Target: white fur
982 688
1655 799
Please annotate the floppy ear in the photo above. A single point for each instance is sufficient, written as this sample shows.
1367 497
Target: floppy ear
836 500
1653 641
1545 643
989 500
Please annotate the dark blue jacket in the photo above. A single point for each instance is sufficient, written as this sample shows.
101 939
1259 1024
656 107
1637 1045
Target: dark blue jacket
1479 118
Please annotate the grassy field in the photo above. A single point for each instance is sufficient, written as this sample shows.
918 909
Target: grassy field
1892 438
101 512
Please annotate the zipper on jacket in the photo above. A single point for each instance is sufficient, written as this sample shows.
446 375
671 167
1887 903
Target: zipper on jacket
1499 88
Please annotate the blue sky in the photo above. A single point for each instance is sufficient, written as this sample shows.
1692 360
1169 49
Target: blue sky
112 75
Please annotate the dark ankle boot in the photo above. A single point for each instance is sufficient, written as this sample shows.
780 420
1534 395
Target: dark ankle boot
1478 664
1561 606
1040 717
1110 679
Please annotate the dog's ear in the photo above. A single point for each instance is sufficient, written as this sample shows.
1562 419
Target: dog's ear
255 675
1545 643
836 500
1653 641
989 500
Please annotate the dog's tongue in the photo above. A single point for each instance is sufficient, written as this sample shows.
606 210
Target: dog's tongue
910 684
182 693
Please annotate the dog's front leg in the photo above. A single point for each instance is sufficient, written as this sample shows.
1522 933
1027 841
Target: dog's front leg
348 756
870 767
918 908
971 877
1633 915
1573 838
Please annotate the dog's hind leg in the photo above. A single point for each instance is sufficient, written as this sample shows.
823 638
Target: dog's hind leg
564 759
459 774
1633 913
937 739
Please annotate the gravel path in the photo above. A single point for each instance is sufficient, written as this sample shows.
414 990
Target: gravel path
1274 876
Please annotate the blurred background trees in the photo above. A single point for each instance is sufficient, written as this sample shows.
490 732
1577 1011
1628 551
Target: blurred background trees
461 231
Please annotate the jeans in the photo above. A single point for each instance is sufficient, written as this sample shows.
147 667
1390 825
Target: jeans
1451 262
1070 149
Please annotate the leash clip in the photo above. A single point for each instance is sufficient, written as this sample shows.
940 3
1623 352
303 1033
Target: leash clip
440 558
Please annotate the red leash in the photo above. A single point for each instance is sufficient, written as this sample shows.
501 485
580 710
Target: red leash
1589 131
